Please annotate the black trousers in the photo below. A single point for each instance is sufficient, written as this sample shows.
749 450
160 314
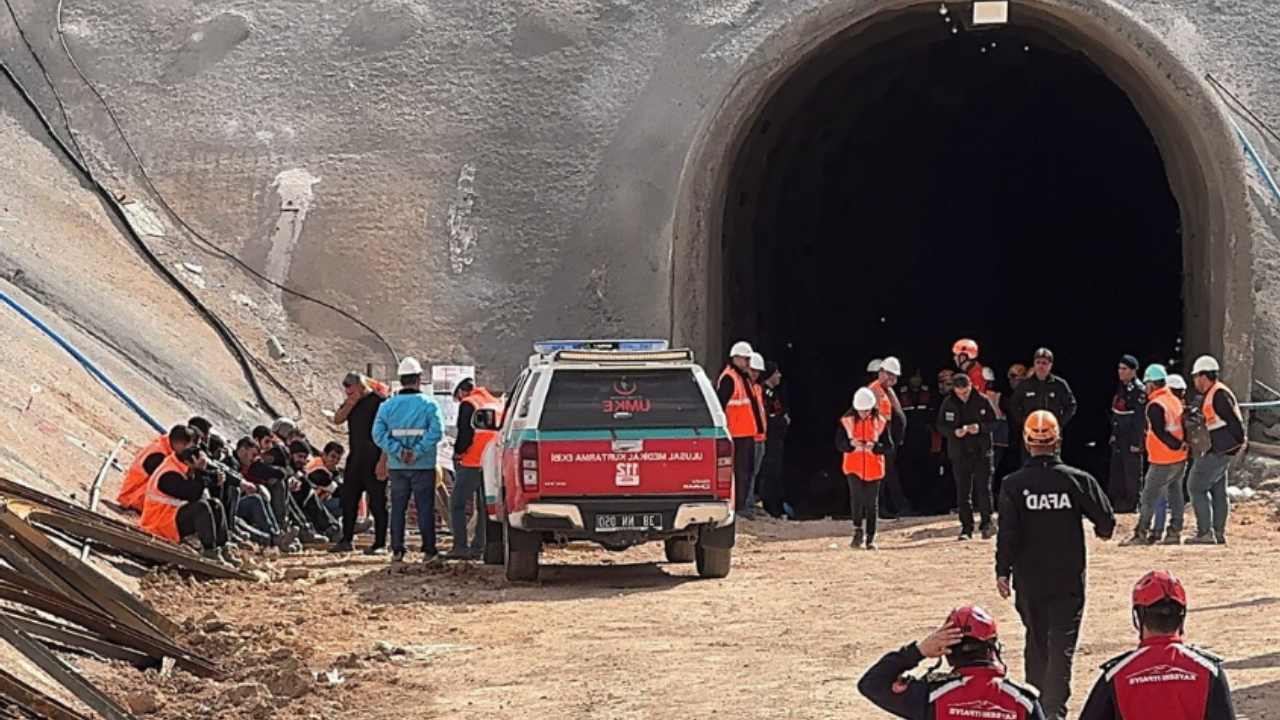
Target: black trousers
1125 483
315 513
891 495
973 487
1053 628
864 501
206 519
744 465
363 482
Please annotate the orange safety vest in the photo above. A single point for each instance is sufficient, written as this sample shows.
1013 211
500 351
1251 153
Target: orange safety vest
978 382
1211 420
314 464
865 464
884 405
738 413
758 391
1157 452
480 399
160 511
134 488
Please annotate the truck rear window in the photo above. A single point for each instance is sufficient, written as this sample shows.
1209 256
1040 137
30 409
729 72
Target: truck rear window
616 399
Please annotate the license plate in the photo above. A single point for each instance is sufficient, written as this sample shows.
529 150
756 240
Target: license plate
628 521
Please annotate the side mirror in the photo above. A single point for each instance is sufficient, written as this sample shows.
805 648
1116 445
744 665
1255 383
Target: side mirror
485 419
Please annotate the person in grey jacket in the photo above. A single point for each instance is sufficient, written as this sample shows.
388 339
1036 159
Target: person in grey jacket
408 428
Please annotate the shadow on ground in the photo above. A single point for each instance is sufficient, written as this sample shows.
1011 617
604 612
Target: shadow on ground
1257 662
1255 602
1260 702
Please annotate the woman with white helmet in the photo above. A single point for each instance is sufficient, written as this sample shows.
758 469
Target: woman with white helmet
861 439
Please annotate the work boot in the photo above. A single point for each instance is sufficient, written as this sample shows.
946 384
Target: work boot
1208 539
857 539
230 557
376 550
397 557
286 539
965 535
211 554
341 547
362 526
1135 539
1222 539
431 559
459 554
1172 538
871 544
988 531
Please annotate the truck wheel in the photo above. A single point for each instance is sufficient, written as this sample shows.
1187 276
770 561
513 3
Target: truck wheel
494 545
679 550
522 550
713 562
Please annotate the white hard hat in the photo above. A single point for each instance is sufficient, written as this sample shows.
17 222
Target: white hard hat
1176 382
1205 363
873 366
864 399
741 349
283 425
757 361
891 365
409 366
988 374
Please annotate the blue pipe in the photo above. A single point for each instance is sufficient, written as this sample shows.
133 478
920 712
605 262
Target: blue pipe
84 361
1257 159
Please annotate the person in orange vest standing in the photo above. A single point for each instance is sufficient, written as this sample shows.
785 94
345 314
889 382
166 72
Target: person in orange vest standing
1166 458
1207 483
175 505
965 353
893 499
468 468
743 416
862 440
134 488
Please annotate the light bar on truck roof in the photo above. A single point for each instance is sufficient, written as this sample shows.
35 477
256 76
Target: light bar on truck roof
614 356
550 346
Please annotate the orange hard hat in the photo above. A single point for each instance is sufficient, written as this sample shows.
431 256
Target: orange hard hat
1041 429
966 347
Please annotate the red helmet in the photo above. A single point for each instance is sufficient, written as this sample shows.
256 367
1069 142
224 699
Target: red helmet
966 347
1156 586
974 622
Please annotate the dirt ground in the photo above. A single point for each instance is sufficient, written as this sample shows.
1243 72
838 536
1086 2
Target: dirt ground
603 635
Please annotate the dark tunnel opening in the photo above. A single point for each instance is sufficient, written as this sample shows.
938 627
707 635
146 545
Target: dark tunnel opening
916 186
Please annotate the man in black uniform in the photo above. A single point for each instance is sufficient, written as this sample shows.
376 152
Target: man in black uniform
358 411
1128 430
1040 551
913 456
966 420
1041 390
976 683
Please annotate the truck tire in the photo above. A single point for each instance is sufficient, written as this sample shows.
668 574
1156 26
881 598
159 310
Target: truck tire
494 543
679 550
522 549
713 562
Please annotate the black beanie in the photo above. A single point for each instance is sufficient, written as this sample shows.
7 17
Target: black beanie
1129 361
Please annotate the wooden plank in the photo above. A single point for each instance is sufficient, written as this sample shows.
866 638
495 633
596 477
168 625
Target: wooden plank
33 701
111 598
64 674
136 545
31 572
104 626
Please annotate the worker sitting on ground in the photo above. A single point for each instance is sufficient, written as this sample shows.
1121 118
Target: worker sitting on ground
176 505
270 483
271 448
325 480
1164 679
304 495
134 489
976 683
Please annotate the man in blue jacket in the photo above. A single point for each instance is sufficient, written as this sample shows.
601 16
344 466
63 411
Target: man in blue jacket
408 428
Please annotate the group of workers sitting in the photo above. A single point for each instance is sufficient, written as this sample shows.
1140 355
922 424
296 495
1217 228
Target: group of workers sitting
273 489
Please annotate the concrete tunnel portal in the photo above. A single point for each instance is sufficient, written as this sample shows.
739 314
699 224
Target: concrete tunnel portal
898 185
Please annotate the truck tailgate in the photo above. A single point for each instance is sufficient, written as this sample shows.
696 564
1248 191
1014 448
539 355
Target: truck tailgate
632 466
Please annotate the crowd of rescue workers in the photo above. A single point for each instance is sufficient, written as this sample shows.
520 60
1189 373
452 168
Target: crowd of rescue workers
274 489
1187 436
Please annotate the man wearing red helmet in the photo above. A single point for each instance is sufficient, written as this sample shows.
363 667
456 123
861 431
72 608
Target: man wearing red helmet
976 686
1164 679
965 352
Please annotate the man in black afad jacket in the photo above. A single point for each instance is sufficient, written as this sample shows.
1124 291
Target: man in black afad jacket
1040 551
1041 390
966 420
1128 433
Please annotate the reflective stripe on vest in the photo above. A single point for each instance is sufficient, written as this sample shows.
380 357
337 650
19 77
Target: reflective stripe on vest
160 511
758 390
1211 419
863 463
884 406
134 487
1157 451
480 399
738 413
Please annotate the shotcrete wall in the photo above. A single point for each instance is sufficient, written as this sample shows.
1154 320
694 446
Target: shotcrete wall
471 176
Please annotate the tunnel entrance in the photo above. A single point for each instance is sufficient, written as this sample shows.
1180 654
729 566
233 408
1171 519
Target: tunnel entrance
906 185
936 185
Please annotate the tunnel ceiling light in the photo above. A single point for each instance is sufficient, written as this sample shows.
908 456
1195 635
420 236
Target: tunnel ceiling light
990 12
